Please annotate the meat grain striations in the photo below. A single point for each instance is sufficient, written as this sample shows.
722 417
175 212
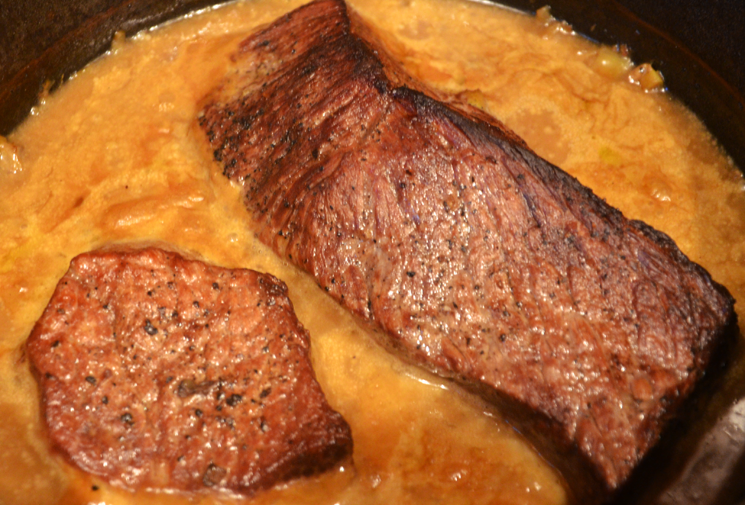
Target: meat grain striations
166 373
472 256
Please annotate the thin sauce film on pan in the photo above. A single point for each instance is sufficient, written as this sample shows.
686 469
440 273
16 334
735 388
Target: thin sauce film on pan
112 157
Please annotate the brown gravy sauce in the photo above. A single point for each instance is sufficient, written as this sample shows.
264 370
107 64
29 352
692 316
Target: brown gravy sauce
112 157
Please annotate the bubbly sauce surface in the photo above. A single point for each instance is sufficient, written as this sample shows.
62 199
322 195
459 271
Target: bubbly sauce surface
114 156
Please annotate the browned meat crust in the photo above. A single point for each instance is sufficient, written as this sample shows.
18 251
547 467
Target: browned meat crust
476 258
166 373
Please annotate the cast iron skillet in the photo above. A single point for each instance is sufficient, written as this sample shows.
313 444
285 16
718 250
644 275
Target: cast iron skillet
699 45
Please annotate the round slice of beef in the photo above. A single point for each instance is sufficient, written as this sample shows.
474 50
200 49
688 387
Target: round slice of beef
162 372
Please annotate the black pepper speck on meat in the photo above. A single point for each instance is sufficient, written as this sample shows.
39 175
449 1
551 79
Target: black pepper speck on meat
471 256
165 373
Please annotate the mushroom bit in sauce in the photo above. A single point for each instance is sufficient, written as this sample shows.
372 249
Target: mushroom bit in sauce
159 372
469 254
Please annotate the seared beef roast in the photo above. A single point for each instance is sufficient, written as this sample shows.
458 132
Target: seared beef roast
471 255
161 372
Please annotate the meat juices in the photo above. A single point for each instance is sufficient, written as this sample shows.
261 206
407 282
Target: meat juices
469 254
166 373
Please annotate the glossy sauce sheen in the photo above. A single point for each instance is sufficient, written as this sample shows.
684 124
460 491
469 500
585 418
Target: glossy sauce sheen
113 157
